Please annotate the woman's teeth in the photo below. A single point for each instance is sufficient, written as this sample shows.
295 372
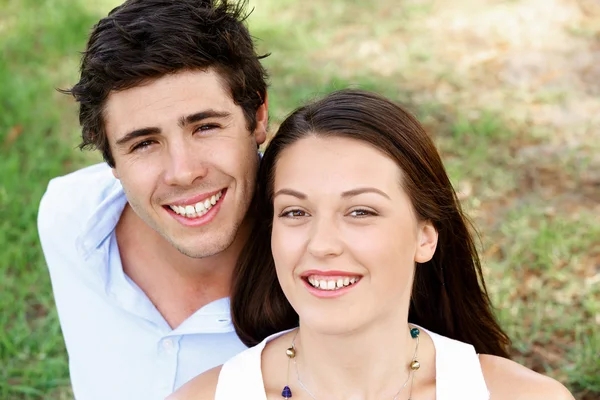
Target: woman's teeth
332 284
198 209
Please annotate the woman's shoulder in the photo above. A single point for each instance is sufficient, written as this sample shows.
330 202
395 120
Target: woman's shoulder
507 379
202 387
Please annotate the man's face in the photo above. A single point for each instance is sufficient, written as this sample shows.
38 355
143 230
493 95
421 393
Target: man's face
185 158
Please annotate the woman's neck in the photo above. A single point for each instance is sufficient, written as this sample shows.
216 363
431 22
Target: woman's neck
372 363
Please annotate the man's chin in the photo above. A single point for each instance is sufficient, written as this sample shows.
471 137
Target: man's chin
195 251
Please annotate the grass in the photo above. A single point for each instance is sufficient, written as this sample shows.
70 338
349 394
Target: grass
533 206
36 143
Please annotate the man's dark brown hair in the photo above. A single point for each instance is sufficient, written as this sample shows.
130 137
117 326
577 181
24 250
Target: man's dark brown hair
142 40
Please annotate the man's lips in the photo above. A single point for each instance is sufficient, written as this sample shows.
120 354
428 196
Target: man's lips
197 206
200 214
193 200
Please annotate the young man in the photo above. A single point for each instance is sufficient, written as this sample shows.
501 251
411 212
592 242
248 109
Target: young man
141 249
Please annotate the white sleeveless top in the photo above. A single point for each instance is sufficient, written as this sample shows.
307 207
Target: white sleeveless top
458 372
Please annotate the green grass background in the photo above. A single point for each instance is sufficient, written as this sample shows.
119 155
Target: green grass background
537 259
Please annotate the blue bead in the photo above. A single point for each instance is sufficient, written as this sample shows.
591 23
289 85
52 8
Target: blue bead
414 332
286 393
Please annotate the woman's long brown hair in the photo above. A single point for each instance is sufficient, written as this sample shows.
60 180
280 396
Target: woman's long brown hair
449 296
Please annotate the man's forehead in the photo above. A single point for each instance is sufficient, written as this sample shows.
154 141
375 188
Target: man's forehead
166 100
184 85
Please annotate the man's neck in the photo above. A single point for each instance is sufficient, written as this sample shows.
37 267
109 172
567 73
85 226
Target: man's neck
176 284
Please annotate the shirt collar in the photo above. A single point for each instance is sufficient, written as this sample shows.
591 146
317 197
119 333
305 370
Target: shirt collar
103 220
212 318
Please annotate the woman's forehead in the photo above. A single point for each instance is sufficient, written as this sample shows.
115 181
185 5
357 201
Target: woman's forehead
335 163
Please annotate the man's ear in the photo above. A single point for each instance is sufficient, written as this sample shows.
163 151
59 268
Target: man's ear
262 120
427 242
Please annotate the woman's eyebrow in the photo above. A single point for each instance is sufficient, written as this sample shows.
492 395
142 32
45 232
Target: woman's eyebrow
290 192
356 192
348 193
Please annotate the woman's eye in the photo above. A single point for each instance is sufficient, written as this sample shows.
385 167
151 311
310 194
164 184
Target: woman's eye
361 213
293 214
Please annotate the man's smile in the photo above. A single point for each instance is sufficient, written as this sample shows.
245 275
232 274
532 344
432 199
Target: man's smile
196 208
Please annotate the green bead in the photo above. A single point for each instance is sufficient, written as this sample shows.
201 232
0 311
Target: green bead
414 332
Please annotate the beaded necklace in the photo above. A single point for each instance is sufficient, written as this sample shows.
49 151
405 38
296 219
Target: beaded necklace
414 365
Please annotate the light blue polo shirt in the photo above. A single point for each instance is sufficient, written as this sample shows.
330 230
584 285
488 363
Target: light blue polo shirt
119 345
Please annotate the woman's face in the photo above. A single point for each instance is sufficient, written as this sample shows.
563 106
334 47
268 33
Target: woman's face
345 236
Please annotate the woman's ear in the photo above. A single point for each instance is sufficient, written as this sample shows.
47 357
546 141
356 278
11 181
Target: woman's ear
426 242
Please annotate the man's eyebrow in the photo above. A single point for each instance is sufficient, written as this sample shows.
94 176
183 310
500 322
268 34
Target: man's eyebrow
199 116
136 134
183 121
290 192
357 191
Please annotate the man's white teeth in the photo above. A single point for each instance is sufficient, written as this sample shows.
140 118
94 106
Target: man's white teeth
198 209
332 284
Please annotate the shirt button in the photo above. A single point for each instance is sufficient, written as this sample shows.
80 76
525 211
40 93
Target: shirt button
168 344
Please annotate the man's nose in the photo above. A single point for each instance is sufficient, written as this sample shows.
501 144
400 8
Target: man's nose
184 165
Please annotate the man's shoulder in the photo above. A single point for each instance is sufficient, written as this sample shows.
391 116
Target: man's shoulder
85 183
69 200
83 187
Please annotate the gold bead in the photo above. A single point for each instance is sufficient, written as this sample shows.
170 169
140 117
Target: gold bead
290 352
415 365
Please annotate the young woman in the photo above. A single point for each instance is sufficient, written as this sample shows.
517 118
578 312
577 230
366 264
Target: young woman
360 242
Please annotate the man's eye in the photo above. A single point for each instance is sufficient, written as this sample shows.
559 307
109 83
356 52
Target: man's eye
206 127
142 145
